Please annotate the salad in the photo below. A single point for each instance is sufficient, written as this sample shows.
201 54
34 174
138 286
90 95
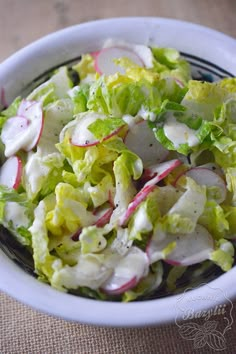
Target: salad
119 168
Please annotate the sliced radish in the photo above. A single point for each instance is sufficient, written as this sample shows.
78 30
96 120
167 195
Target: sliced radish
23 131
103 215
34 113
127 273
141 140
154 174
11 172
213 167
82 137
142 195
111 198
190 248
208 178
179 82
94 54
104 60
105 218
76 235
24 107
14 127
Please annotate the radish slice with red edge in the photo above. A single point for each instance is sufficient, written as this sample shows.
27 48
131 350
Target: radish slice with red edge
24 107
179 82
11 172
190 248
104 60
141 140
76 235
213 167
154 174
103 215
28 127
127 273
82 137
141 196
33 111
13 127
208 178
159 172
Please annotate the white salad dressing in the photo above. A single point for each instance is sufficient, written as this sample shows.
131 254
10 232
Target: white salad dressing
146 114
179 133
130 269
226 247
82 131
142 222
16 214
130 120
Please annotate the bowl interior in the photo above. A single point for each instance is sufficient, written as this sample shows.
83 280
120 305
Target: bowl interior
33 65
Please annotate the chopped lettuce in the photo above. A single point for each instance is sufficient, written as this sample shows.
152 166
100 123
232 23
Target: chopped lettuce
45 263
70 212
55 88
214 219
16 214
168 62
11 111
223 256
92 239
79 180
85 66
184 214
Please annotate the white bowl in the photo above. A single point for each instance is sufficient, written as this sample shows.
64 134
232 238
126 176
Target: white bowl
17 72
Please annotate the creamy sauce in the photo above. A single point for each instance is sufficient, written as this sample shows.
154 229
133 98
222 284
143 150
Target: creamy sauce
179 133
35 171
147 115
81 134
135 263
142 222
15 213
129 120
130 268
226 247
90 271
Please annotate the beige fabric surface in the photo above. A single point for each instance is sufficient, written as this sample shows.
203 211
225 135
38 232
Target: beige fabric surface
22 329
25 331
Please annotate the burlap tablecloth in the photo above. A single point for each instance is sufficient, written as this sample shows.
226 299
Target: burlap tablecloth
22 329
26 331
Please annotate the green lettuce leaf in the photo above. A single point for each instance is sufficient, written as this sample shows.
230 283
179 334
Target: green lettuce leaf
116 97
102 128
45 263
184 214
79 96
85 66
168 62
16 214
92 239
214 220
223 256
11 111
55 88
70 212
